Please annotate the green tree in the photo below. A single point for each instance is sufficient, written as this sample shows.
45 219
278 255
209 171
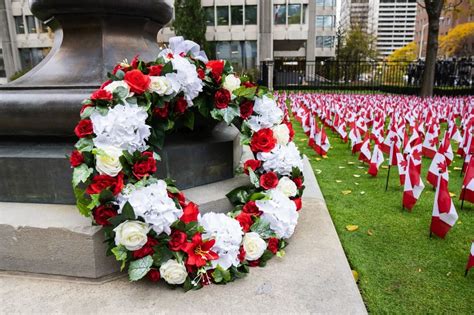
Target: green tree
190 22
357 45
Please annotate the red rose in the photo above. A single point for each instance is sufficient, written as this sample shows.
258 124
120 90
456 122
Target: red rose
144 167
222 99
251 208
298 182
117 68
180 196
216 67
84 128
76 158
201 73
190 213
134 63
162 112
273 244
102 95
146 250
263 140
269 180
178 240
254 263
290 128
249 84
137 81
246 109
155 70
298 203
103 213
245 221
101 182
153 275
181 105
242 254
253 164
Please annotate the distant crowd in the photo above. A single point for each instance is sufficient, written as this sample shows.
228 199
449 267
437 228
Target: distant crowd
449 72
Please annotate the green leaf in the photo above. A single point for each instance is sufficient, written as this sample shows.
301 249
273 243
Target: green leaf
139 268
254 178
162 254
262 228
239 195
248 93
229 113
120 74
82 202
121 92
221 275
258 196
188 120
120 253
87 112
84 145
95 201
167 68
81 174
128 212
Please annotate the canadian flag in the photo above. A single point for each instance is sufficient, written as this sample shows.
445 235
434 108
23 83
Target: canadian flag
377 131
322 142
376 160
393 152
470 261
413 186
391 137
402 167
444 214
467 189
444 155
355 137
429 145
365 155
454 133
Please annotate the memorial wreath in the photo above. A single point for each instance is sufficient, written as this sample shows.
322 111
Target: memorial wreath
149 225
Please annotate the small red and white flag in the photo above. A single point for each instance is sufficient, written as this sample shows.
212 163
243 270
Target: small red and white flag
356 138
365 155
376 160
429 145
402 167
413 186
322 142
444 155
444 214
467 190
470 261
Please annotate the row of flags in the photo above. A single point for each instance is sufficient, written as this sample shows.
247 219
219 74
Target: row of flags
412 133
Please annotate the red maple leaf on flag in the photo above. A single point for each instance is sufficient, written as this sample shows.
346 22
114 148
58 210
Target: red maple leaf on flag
442 166
404 164
417 155
433 141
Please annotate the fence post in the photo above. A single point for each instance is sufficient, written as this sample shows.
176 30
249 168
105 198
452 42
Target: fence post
269 64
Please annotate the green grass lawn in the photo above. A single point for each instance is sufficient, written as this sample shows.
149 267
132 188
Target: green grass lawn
401 270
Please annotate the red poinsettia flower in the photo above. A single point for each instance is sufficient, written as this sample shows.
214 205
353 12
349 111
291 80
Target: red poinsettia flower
190 213
199 251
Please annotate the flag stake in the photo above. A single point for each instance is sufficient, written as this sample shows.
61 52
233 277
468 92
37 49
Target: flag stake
465 273
462 203
388 175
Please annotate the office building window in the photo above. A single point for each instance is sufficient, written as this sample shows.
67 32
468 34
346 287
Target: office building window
250 14
325 3
325 21
30 57
222 15
279 14
20 25
324 41
209 11
31 24
236 15
294 13
241 54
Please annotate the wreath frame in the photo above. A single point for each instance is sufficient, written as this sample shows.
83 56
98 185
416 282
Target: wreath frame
123 125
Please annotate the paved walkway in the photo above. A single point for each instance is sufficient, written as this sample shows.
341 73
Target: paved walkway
314 277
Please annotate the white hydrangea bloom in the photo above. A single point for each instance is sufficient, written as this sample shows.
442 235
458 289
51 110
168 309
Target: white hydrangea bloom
228 235
153 204
280 212
281 159
266 114
123 127
186 75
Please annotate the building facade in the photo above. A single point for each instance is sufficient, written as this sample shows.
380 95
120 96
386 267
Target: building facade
247 32
460 13
361 13
25 40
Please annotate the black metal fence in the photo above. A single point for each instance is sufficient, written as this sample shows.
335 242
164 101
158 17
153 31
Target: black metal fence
452 76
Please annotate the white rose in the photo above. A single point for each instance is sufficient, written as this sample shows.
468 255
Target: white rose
173 272
231 83
287 187
112 87
131 234
160 85
254 246
281 133
108 160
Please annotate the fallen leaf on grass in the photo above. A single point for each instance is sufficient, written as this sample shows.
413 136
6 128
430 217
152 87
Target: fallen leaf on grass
318 159
317 171
355 274
356 175
458 155
350 163
451 194
360 167
362 192
457 168
448 274
459 222
352 227
342 167
338 181
384 166
356 183
370 233
346 192
419 269
325 156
